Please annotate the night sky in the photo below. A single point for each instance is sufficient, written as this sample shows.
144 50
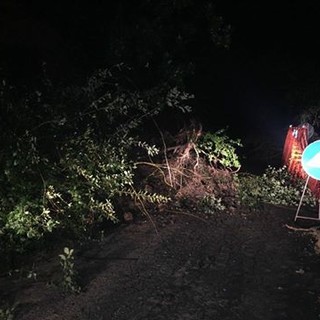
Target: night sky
274 52
275 48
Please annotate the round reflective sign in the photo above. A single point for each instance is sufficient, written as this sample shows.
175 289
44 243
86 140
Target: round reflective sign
310 160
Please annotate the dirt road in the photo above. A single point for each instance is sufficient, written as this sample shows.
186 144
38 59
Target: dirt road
246 266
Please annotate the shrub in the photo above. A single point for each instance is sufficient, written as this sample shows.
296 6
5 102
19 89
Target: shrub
276 186
70 155
220 149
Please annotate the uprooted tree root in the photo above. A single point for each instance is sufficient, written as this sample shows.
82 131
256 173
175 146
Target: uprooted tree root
188 174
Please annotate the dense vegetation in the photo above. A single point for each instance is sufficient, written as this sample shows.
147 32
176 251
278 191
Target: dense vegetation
70 148
75 155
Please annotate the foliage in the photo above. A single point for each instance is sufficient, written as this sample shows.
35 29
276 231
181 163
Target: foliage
276 186
69 274
210 204
6 314
220 150
26 221
72 158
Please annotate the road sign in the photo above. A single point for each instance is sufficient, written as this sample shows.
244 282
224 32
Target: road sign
310 160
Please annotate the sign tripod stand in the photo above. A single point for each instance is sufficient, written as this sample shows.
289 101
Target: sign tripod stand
310 161
300 203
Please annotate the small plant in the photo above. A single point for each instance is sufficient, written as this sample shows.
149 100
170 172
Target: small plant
32 274
67 263
211 204
220 150
6 313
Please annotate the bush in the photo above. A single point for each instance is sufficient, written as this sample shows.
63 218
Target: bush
220 150
276 186
70 154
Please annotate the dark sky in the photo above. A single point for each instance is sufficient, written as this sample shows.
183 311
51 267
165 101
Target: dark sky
275 45
285 27
275 48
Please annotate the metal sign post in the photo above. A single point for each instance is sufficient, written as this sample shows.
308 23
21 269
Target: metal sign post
300 203
310 161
